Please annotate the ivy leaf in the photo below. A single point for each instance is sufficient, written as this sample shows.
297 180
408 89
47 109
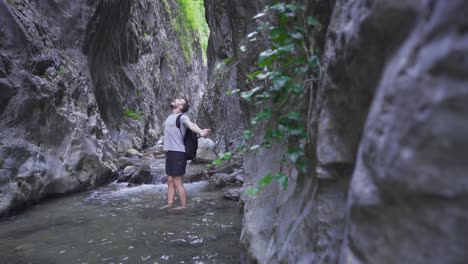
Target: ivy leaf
240 148
282 179
301 70
280 82
265 180
297 35
248 95
273 134
253 74
252 191
275 33
314 61
294 116
300 29
265 58
259 15
297 131
252 34
260 116
255 147
262 96
281 7
227 156
263 76
289 48
267 53
233 91
248 134
296 7
295 154
297 89
301 165
313 22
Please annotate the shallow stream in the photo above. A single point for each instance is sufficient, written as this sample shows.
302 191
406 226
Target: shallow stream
117 224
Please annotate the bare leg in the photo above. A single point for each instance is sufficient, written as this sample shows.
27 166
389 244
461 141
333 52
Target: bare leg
170 192
181 190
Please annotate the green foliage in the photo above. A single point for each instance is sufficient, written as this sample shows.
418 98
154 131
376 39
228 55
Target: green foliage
132 114
221 158
286 70
190 24
61 70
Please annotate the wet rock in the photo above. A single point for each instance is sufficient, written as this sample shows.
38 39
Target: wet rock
233 194
133 153
126 174
156 151
195 177
238 175
206 151
224 168
141 176
6 92
124 162
220 180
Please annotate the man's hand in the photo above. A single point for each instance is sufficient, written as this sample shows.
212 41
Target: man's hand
205 132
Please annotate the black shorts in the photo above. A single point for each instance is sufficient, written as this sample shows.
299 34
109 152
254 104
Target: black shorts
175 163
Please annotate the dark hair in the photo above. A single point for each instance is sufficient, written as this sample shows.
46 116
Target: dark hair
186 106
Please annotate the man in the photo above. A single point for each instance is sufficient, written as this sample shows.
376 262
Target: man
175 151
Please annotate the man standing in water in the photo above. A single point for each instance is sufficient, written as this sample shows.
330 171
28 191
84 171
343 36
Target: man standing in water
176 160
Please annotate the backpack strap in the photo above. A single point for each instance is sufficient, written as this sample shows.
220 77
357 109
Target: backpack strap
178 124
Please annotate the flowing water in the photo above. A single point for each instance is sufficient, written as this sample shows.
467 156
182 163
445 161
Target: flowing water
116 224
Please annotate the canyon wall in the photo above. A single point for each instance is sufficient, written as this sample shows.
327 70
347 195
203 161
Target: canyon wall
80 83
386 157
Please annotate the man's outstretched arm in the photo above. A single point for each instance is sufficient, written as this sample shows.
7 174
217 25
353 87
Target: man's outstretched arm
195 128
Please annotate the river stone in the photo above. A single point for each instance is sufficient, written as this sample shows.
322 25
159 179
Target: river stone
124 162
133 153
238 175
220 180
206 151
141 176
126 174
233 194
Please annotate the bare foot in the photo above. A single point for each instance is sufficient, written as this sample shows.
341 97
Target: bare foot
166 206
179 208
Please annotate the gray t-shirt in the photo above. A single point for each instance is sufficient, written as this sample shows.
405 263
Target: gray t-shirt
173 138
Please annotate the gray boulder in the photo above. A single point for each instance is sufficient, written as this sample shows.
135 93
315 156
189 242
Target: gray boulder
124 162
126 174
220 180
233 194
238 175
206 151
142 176
133 153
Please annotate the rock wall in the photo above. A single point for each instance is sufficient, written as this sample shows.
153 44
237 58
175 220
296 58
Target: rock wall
387 151
407 199
68 72
229 22
136 63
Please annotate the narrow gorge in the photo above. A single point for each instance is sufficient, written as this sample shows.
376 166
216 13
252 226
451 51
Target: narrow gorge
339 126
